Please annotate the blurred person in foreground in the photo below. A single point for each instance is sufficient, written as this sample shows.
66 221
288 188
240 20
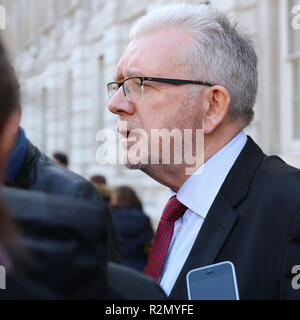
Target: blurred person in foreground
11 254
9 104
190 67
133 227
30 169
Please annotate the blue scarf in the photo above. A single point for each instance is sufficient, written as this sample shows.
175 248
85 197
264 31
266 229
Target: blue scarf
17 156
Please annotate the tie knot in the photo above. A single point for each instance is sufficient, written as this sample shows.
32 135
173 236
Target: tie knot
174 209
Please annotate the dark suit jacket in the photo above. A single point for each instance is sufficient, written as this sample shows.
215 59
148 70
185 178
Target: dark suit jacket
254 222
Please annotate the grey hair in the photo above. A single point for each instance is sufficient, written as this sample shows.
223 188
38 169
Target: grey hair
221 53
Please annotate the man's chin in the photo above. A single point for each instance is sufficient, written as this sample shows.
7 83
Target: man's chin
134 163
135 166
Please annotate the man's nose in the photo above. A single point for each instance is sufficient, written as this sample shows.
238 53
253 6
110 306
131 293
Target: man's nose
119 104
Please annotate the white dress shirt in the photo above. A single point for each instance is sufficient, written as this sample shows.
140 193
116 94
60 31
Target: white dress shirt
197 194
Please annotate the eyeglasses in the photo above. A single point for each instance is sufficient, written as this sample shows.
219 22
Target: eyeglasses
133 87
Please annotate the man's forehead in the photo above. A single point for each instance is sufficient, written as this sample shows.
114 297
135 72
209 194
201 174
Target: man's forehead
127 64
129 73
153 53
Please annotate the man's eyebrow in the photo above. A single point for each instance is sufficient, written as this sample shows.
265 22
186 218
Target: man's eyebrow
129 74
136 73
117 77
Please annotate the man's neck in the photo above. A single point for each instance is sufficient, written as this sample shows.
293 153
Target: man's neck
174 176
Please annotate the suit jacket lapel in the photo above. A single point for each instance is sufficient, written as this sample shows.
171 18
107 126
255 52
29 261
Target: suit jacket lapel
221 217
214 231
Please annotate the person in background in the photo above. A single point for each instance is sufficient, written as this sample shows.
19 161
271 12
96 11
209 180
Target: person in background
99 183
61 158
98 179
133 227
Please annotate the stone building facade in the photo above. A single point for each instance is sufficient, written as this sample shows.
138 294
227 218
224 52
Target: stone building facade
65 51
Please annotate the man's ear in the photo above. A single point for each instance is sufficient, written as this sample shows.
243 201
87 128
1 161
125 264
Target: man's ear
216 109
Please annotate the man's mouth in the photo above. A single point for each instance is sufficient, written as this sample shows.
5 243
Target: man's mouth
127 139
124 134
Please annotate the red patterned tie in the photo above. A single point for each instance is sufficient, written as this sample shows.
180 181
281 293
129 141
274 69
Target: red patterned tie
173 211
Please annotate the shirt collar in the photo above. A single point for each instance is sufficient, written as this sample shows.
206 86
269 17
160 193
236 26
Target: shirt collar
199 190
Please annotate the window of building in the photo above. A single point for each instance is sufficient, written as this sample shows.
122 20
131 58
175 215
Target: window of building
294 59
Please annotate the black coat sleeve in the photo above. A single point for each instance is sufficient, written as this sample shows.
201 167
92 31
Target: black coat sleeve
290 277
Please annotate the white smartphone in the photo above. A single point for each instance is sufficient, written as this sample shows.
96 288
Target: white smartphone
213 282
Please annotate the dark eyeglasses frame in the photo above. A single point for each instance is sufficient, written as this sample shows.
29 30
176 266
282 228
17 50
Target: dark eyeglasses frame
161 80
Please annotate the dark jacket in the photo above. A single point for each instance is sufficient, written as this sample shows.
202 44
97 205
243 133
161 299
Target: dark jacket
134 231
254 222
40 173
20 288
66 254
126 284
65 239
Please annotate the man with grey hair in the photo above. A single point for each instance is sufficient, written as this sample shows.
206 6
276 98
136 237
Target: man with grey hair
188 67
